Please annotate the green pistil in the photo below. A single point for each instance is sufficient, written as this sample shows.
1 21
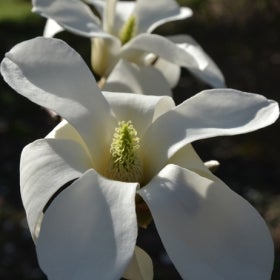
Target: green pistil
125 164
128 30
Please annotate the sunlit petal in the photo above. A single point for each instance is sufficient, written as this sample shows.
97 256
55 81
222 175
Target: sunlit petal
89 230
164 48
72 15
189 159
144 80
140 267
169 70
208 114
52 28
123 10
151 14
207 70
109 15
46 165
142 110
188 54
209 231
60 81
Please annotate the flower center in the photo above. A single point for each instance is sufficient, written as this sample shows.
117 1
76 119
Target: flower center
128 30
124 164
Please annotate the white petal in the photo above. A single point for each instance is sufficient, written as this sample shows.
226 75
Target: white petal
189 159
208 114
72 15
109 15
50 73
124 10
207 70
89 231
142 110
169 70
161 46
209 231
151 14
187 55
140 267
212 164
64 130
128 77
46 165
52 28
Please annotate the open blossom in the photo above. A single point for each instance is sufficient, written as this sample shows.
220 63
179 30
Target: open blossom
114 156
124 31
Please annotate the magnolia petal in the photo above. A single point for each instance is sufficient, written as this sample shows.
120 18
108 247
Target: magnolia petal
207 70
123 10
188 55
72 15
151 14
208 114
64 130
128 77
164 48
109 15
209 231
212 164
52 28
141 110
50 73
189 159
46 165
169 70
140 267
89 230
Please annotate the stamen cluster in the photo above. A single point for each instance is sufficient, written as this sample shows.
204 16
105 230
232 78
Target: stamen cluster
125 164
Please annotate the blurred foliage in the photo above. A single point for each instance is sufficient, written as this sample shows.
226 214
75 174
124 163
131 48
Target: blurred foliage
242 36
15 10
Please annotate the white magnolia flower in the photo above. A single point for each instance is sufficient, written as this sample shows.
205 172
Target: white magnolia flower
112 148
124 32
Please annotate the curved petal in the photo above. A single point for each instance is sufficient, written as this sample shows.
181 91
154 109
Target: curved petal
128 77
212 164
73 15
89 231
51 28
208 114
140 267
209 231
153 43
187 55
45 166
207 71
109 15
169 70
123 11
65 130
141 110
151 14
50 73
104 55
189 159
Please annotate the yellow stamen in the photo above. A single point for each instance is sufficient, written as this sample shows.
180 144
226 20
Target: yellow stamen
128 30
124 164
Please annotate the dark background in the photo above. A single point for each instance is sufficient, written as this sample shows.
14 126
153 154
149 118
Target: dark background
241 36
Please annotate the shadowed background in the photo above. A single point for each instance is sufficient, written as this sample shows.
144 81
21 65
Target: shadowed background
242 37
